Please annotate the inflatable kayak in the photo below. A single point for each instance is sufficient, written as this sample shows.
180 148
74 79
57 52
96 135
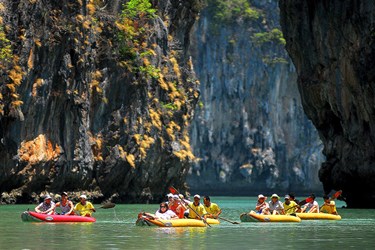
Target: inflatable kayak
318 216
37 217
252 216
146 221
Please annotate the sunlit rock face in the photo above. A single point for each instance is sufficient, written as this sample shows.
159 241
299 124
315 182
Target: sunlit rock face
249 132
94 98
332 46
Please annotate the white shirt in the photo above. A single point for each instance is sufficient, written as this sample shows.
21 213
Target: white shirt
165 216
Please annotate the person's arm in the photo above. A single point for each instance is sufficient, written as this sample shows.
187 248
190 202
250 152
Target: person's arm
71 208
37 209
92 208
51 209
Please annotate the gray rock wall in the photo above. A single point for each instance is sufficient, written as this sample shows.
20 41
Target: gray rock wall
92 100
250 131
332 46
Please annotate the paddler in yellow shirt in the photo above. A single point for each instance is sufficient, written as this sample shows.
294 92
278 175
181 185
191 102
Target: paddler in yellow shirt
290 207
213 210
199 208
84 208
329 207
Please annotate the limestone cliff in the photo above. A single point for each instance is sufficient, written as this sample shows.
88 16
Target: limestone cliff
332 46
249 132
95 95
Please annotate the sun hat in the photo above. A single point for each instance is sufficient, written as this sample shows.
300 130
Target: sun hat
197 196
83 196
287 197
261 196
169 195
176 197
64 193
47 197
275 196
181 196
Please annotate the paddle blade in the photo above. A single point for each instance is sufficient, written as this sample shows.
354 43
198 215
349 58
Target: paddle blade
307 200
108 205
173 190
337 194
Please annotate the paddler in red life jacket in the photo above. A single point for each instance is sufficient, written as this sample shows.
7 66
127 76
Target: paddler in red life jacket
181 208
84 208
46 207
174 203
65 205
199 208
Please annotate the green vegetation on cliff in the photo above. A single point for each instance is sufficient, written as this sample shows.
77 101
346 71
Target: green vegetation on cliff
227 11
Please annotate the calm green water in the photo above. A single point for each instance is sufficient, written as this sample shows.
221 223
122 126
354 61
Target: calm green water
115 229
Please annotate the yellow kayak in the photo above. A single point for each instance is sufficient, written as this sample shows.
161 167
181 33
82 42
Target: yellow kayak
147 221
253 216
318 216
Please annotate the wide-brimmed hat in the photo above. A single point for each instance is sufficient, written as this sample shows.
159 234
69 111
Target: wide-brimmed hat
197 196
275 196
261 196
47 197
83 196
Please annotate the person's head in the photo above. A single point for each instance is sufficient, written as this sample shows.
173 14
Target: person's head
170 197
47 199
197 198
64 196
176 198
325 198
206 200
312 196
287 199
292 196
163 207
275 197
261 198
83 199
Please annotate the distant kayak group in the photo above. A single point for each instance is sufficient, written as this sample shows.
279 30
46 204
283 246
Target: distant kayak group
180 212
63 210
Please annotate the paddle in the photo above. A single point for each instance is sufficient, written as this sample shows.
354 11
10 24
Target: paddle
333 197
104 206
301 203
233 222
149 217
174 191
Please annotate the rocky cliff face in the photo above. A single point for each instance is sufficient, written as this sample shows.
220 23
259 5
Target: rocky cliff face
332 46
96 96
249 132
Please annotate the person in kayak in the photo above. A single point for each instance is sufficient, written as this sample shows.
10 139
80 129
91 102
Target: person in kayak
329 207
46 207
311 207
65 205
290 207
84 207
174 203
293 198
197 207
276 206
164 213
213 210
262 207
